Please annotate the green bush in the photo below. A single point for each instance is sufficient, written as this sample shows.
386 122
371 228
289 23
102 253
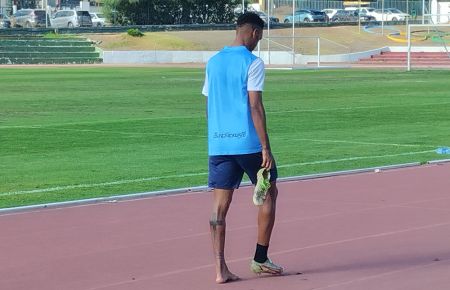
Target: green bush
135 32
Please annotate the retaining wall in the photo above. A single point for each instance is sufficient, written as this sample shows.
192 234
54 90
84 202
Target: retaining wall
275 58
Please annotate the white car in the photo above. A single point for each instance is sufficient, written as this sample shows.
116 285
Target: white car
98 19
390 14
397 15
363 10
330 12
71 19
367 11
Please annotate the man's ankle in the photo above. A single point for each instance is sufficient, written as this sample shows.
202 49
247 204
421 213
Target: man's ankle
261 253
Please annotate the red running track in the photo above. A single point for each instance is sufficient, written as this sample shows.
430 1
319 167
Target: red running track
387 230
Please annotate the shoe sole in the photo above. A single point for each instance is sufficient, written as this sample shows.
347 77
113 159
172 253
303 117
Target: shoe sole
258 199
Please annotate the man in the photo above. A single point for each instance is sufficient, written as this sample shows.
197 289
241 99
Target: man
238 141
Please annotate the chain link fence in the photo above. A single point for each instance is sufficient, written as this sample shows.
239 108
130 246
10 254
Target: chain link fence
404 5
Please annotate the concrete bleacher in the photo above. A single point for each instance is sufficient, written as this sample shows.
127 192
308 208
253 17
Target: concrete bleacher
401 58
39 50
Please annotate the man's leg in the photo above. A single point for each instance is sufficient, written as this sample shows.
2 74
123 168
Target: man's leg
266 220
266 216
221 204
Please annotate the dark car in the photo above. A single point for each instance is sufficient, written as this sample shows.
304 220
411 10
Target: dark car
29 18
4 21
318 16
350 16
306 15
264 17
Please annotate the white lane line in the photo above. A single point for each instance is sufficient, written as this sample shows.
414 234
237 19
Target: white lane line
370 277
128 181
351 159
293 250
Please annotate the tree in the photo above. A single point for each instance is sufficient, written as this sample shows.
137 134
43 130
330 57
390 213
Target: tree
144 12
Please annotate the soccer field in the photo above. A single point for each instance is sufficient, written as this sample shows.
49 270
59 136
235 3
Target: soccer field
72 133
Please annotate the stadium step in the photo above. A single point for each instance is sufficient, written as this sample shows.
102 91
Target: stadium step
45 42
38 50
48 48
60 60
38 54
400 58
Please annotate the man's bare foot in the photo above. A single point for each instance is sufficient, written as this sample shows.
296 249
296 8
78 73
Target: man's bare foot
226 277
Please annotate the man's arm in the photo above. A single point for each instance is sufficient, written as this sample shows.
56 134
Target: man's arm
259 121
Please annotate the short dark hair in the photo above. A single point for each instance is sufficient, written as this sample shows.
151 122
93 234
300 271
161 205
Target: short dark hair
250 18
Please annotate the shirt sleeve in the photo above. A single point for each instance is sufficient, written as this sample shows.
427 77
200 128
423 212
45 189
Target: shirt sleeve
205 86
256 75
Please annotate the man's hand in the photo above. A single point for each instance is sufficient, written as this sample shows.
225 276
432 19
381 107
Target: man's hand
267 159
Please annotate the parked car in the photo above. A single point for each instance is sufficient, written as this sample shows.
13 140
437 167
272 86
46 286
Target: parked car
397 15
330 12
264 17
367 11
390 14
306 15
351 16
71 18
4 21
98 19
29 18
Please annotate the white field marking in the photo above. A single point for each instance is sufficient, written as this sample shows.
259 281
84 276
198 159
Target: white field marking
127 133
382 275
351 159
317 217
181 79
354 108
333 243
320 245
37 126
204 136
353 142
118 182
127 181
203 116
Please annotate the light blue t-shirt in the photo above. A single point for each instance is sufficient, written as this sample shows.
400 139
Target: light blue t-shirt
230 125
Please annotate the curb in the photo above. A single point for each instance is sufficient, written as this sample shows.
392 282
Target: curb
201 189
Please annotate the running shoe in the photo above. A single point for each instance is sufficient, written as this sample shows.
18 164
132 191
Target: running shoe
267 267
262 186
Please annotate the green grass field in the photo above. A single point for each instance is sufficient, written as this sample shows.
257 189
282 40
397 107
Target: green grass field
72 133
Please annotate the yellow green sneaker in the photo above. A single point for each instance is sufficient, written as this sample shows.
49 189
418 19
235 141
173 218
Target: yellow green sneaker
262 186
267 267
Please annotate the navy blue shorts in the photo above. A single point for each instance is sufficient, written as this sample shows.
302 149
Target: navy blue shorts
226 171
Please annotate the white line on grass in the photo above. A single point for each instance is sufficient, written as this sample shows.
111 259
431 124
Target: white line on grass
128 181
203 116
352 158
355 142
118 182
129 133
204 136
354 108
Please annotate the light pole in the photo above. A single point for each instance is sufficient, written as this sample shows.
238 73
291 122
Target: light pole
359 16
423 11
293 32
407 12
382 17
